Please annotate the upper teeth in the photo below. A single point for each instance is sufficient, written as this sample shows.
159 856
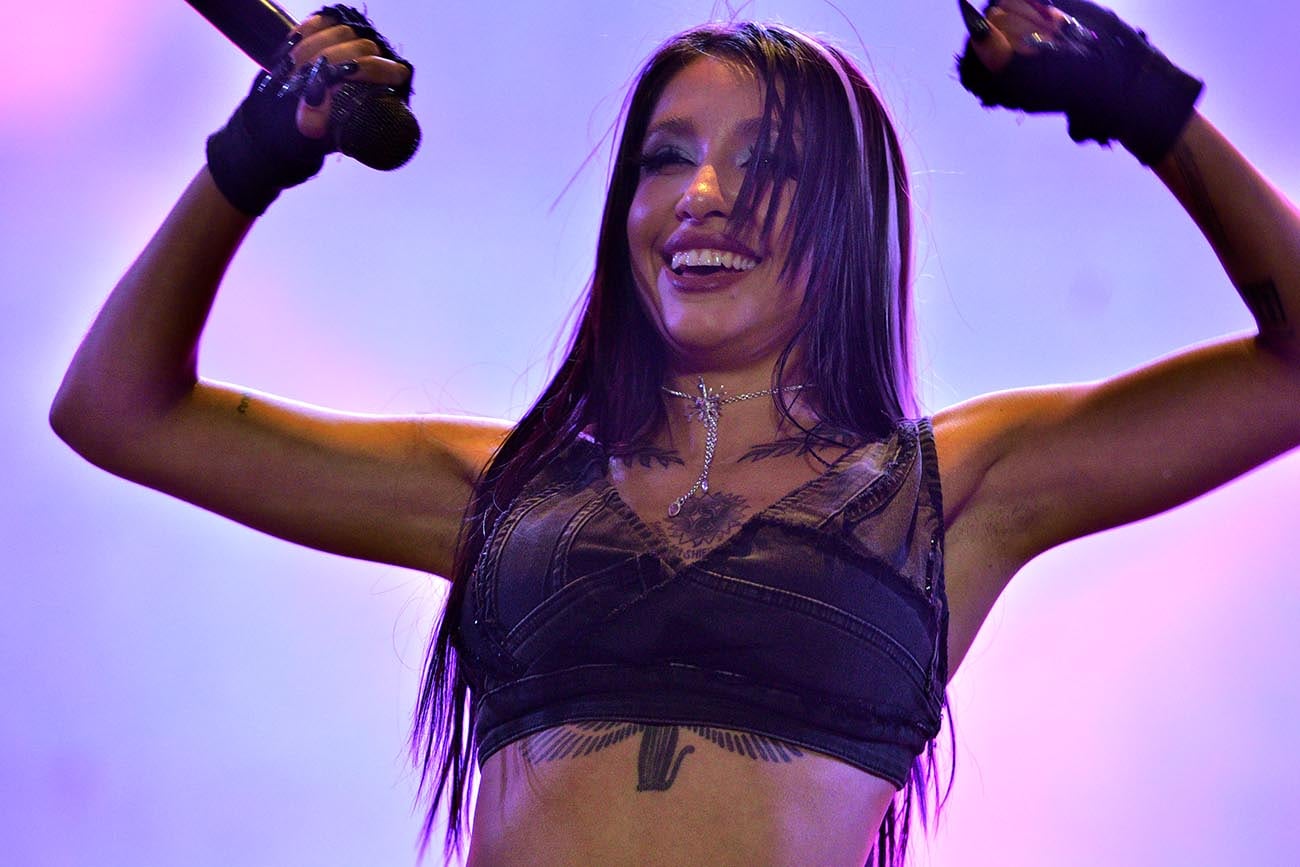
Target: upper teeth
712 259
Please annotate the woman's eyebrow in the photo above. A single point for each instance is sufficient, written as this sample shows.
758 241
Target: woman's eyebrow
675 125
671 126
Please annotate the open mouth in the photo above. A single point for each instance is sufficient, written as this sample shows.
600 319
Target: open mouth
702 263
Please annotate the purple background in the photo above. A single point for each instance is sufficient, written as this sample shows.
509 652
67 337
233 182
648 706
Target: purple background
181 690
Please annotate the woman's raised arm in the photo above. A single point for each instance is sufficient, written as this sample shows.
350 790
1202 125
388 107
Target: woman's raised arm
1036 467
386 489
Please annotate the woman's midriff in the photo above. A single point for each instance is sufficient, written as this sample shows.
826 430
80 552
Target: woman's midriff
543 803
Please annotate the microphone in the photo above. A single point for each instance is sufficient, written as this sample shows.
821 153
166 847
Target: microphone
367 122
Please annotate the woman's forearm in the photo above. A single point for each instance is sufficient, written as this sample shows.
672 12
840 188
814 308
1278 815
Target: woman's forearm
1253 228
139 356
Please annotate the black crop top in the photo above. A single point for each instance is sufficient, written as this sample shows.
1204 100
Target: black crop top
821 622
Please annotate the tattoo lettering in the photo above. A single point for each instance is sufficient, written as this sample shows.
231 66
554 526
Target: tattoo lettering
659 758
648 456
244 402
706 519
1266 306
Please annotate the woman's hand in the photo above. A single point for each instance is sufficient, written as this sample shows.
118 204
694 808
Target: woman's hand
1023 26
1079 59
281 132
328 50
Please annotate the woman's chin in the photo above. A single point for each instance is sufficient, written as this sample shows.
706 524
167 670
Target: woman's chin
715 349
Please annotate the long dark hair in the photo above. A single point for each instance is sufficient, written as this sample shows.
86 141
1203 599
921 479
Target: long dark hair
824 124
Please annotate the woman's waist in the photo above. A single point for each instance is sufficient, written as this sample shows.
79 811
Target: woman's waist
614 792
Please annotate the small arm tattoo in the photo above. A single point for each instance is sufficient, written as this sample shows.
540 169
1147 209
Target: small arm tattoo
244 402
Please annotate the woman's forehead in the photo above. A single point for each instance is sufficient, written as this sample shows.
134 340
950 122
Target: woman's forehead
710 85
711 90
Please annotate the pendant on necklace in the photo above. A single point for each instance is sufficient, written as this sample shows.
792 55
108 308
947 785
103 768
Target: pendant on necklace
708 406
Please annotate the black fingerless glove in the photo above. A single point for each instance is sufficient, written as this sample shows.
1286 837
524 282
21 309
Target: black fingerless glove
260 151
1104 75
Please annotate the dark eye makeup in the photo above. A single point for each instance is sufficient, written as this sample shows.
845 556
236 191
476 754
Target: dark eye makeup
660 159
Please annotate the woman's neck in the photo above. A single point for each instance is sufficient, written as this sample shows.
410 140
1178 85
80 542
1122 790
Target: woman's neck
733 380
743 415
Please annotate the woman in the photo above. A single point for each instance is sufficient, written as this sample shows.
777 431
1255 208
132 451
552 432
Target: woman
745 229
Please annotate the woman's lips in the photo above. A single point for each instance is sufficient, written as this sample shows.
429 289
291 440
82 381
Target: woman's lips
706 268
689 281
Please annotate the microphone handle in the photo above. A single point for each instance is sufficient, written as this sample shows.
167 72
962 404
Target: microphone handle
257 27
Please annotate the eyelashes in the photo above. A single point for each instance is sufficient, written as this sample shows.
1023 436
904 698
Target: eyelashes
657 161
664 159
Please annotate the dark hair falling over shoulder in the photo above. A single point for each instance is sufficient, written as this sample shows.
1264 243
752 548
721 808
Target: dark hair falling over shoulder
824 125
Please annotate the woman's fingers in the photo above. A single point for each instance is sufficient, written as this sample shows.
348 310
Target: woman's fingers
327 54
1032 13
369 68
1017 26
992 46
315 43
313 25
1030 25
338 64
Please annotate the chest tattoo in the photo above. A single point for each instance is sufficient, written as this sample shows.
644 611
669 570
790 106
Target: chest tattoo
705 519
816 439
660 758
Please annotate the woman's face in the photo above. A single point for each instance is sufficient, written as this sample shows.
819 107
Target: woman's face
719 301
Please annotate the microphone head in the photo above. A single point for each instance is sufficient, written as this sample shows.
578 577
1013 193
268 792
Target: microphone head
373 125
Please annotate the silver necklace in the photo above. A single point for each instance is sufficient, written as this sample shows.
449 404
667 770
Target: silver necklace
707 407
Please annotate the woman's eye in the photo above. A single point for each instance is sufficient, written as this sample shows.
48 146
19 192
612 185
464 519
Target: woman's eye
778 165
661 160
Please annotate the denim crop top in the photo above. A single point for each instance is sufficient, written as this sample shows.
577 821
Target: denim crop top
821 622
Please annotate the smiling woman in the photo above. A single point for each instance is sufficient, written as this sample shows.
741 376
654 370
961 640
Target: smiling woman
739 140
718 300
707 594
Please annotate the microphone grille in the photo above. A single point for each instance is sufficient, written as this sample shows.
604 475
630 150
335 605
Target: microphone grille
373 125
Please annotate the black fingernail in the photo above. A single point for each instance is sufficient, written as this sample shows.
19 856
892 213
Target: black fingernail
347 68
314 91
329 73
294 38
976 24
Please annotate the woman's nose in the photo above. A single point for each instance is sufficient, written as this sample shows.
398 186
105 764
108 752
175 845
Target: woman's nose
703 196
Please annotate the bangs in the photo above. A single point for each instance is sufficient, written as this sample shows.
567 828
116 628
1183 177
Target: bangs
811 132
